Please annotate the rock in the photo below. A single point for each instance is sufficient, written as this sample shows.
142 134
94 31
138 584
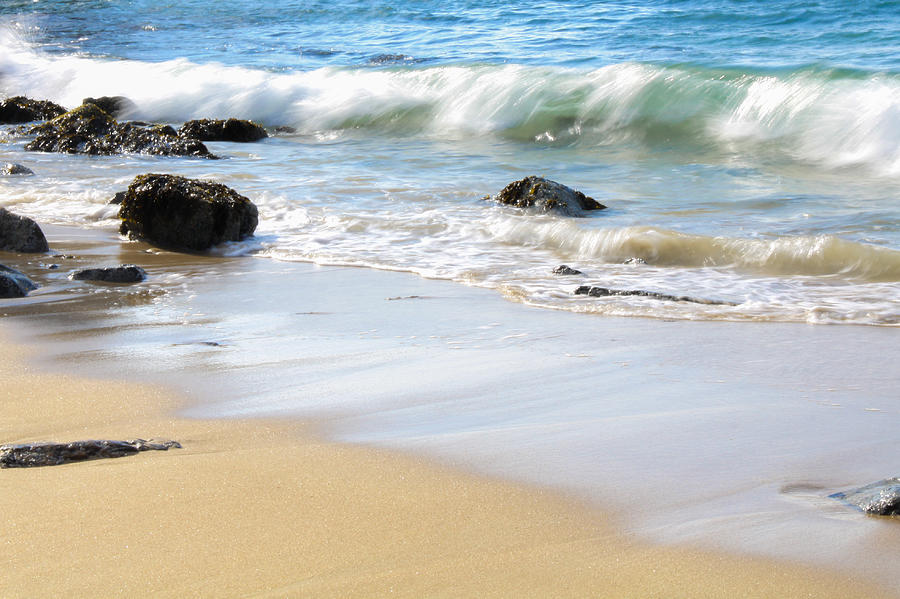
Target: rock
28 455
186 214
879 499
635 261
127 273
219 130
564 270
114 106
20 109
604 292
14 169
286 129
20 234
90 130
117 199
546 196
14 284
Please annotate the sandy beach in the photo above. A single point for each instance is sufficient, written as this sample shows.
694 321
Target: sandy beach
269 507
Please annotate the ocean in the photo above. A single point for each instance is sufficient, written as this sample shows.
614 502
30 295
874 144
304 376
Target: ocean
748 153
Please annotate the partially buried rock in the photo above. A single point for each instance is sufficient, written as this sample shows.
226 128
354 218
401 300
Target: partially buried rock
605 292
566 271
237 130
28 455
20 109
187 214
9 169
88 129
115 106
14 284
547 196
20 234
879 499
127 273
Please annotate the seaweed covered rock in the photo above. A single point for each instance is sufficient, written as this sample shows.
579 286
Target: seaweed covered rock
89 129
114 106
223 130
180 213
14 284
546 196
20 234
9 169
878 499
29 455
19 109
126 273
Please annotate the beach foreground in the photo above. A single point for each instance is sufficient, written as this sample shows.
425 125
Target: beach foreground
264 508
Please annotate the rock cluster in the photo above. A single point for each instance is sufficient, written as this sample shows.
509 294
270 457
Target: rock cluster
185 214
89 129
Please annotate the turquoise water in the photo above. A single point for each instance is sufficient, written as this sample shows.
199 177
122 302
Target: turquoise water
748 151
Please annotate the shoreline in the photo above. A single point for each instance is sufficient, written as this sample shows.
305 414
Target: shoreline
264 508
458 529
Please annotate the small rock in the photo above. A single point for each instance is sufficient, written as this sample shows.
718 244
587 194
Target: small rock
117 199
237 130
186 214
605 292
564 270
28 455
9 168
547 196
287 129
20 109
127 273
114 106
20 234
14 284
635 261
879 499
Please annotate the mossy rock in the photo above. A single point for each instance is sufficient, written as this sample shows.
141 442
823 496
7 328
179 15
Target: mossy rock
237 130
543 195
114 106
19 109
185 214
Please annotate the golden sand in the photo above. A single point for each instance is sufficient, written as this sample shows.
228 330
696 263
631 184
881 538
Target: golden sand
265 509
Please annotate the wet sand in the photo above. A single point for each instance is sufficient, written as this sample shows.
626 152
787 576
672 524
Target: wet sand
266 507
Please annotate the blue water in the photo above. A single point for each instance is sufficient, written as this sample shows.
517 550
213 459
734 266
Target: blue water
749 151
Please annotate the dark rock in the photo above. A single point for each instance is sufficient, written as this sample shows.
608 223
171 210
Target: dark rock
546 196
220 130
879 499
28 455
20 234
20 109
285 129
90 130
180 213
114 106
383 59
117 199
14 284
14 169
127 273
564 270
635 261
604 292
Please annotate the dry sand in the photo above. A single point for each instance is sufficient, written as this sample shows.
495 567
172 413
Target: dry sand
262 508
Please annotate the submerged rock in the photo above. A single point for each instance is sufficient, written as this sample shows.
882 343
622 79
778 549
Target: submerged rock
114 106
879 499
237 130
9 168
20 234
605 292
20 109
547 196
187 214
127 273
88 129
14 284
566 271
28 455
